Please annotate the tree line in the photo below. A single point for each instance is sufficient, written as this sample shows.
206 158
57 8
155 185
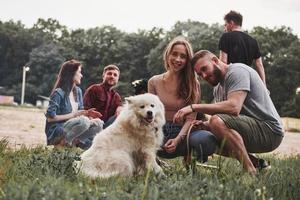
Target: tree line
46 45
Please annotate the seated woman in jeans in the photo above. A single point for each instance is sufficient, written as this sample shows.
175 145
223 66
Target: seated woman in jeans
177 88
67 122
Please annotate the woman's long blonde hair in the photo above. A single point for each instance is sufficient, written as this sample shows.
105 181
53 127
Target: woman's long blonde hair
188 84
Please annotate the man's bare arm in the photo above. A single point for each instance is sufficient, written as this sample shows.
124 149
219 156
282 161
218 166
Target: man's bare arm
260 69
223 57
232 105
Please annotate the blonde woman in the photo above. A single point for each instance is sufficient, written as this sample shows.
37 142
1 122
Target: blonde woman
177 88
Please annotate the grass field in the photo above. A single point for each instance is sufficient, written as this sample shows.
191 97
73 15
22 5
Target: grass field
41 173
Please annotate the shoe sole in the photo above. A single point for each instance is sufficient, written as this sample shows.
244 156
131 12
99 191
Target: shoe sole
207 166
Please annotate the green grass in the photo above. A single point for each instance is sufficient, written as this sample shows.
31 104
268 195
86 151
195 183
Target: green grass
49 174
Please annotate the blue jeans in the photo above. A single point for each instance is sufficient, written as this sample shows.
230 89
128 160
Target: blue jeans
203 142
83 129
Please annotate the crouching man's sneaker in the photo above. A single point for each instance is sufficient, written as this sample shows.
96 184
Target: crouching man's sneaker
263 165
259 163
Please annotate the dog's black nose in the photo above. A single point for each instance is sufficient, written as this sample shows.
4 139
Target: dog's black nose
149 113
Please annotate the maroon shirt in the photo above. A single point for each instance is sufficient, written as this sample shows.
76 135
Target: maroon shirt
103 99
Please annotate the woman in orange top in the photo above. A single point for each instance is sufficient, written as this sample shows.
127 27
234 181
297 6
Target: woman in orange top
177 88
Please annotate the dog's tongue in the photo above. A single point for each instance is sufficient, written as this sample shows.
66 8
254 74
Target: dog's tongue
149 120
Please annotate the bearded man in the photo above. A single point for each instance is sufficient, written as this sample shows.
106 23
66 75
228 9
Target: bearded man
243 117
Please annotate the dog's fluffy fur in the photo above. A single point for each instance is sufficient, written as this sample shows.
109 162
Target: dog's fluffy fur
128 146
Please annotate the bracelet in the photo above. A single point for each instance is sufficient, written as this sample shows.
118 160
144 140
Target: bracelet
193 110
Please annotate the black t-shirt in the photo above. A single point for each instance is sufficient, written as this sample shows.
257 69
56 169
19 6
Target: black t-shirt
240 47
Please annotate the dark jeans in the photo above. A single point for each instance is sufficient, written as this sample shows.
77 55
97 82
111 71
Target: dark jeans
109 121
201 141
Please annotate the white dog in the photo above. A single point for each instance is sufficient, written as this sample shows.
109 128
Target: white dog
128 146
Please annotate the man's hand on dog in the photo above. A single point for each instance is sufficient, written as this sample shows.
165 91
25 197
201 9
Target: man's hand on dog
92 113
118 111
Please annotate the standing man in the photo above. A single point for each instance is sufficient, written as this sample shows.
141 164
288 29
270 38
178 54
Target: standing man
243 115
102 97
237 46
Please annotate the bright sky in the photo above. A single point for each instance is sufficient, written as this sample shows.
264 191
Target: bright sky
131 15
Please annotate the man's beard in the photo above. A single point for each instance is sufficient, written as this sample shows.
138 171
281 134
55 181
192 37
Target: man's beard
217 76
110 83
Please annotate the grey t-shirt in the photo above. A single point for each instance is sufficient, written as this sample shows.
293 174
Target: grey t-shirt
258 103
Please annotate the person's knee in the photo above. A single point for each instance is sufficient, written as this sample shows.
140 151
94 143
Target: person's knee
97 124
216 121
84 122
217 126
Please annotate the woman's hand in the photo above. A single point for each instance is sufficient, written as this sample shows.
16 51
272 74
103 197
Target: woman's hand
171 145
180 115
201 124
79 113
91 113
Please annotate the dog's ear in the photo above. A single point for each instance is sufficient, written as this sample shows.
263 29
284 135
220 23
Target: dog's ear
128 100
160 104
162 107
160 115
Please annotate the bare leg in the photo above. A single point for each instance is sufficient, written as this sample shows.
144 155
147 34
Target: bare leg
234 143
254 159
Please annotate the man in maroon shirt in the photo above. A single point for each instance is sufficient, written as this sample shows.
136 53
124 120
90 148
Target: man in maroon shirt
102 97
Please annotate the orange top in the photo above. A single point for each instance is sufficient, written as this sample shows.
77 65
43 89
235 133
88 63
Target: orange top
156 85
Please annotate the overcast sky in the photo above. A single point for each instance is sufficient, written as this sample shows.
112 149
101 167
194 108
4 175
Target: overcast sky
131 15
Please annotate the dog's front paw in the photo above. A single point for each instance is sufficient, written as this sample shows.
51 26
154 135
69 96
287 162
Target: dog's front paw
157 169
161 175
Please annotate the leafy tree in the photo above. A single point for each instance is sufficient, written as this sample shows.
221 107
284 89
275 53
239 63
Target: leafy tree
200 35
16 43
133 54
50 30
96 48
155 63
4 48
44 63
291 108
281 55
